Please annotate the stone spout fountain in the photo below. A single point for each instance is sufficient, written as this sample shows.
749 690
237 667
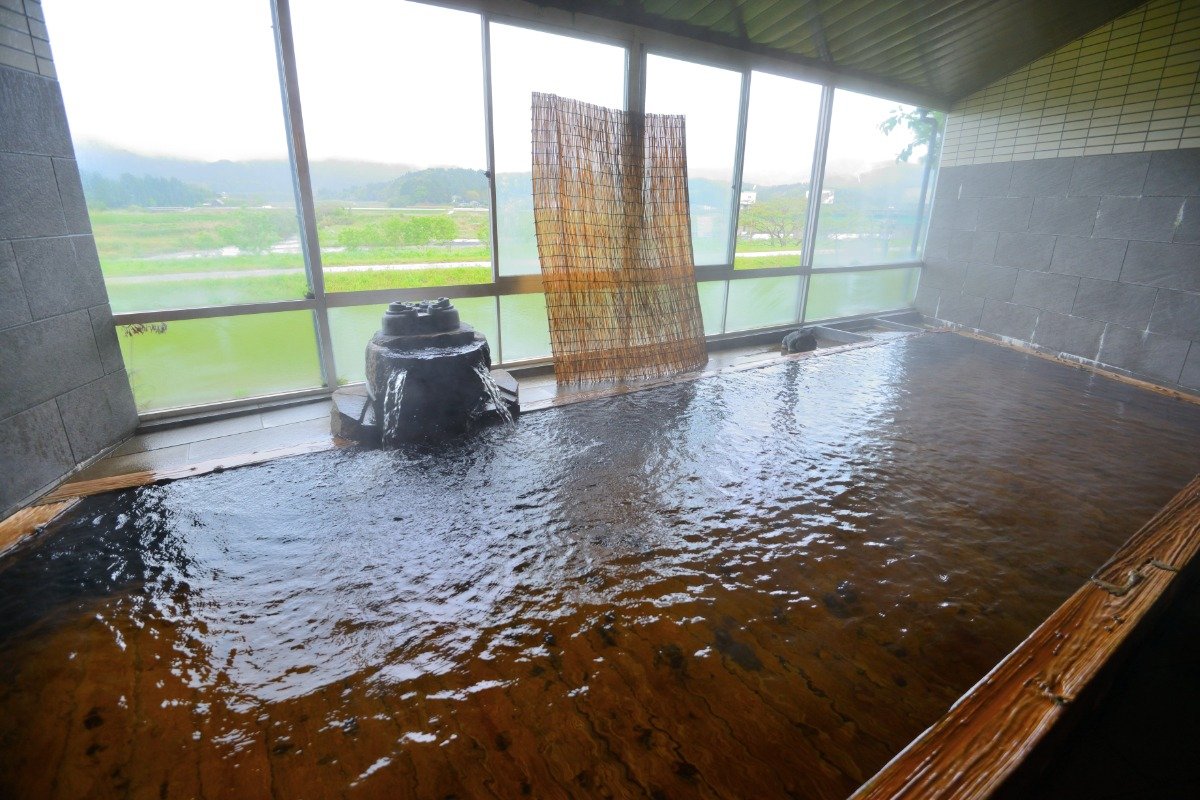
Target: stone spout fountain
429 376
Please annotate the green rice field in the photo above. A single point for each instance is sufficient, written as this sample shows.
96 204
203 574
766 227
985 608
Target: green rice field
225 256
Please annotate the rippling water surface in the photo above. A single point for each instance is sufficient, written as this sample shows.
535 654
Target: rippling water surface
758 585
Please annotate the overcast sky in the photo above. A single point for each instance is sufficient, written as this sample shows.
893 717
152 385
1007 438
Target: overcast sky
396 82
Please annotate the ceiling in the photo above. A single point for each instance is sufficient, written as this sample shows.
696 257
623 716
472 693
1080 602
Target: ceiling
940 49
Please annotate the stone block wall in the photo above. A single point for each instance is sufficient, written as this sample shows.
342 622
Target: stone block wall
1067 210
64 393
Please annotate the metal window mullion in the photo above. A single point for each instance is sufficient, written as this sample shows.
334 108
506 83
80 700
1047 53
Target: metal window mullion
816 184
738 161
289 87
489 134
485 40
739 164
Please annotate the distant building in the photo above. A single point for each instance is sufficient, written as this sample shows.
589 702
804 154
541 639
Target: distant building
749 198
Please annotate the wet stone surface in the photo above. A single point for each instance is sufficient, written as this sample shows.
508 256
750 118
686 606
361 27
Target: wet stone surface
762 584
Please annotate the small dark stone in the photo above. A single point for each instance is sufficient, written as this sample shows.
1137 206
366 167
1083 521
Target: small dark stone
606 635
502 742
844 603
282 747
672 656
801 340
739 652
93 719
686 770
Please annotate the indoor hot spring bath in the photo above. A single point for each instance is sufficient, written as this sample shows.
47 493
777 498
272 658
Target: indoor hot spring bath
759 584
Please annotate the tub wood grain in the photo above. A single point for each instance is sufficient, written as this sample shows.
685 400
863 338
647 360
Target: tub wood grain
990 730
26 521
77 489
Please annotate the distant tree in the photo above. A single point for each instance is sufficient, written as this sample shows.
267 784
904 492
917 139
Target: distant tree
359 236
146 191
923 124
781 218
429 229
255 230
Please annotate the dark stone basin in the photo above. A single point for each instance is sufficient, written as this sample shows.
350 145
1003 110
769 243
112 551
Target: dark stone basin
428 377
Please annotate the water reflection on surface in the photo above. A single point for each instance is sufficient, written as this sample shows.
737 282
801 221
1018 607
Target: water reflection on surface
759 585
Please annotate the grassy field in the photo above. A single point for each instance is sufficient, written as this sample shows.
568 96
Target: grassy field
224 256
200 361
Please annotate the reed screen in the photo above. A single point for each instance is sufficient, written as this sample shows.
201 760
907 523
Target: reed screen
610 205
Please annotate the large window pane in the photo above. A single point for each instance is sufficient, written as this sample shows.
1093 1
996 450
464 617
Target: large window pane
195 361
524 62
872 192
524 327
762 302
178 129
393 116
847 294
781 134
352 327
708 97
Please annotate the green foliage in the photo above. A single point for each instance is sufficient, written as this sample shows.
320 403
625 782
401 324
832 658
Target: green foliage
255 230
146 191
923 124
781 218
399 230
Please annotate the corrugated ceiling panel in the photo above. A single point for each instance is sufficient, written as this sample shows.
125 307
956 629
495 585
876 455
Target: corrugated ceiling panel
940 48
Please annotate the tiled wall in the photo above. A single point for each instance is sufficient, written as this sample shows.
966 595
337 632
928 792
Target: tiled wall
64 394
1067 211
1127 87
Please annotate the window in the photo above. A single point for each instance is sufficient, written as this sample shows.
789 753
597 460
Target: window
708 97
392 95
524 327
192 361
846 294
712 305
762 302
178 127
871 197
185 167
523 62
781 134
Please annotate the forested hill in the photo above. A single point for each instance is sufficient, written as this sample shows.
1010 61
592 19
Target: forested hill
436 186
261 180
145 191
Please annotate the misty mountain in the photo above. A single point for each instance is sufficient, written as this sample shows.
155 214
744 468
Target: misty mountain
265 180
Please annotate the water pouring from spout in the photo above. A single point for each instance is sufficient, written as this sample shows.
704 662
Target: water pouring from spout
429 376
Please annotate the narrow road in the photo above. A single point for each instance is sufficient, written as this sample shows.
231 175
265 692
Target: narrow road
271 273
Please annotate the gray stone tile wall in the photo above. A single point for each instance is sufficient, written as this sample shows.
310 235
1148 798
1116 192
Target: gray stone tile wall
1093 257
64 394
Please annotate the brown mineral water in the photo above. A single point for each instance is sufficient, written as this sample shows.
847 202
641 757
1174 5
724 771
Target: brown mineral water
757 585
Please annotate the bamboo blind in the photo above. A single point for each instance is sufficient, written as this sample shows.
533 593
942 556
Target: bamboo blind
610 207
